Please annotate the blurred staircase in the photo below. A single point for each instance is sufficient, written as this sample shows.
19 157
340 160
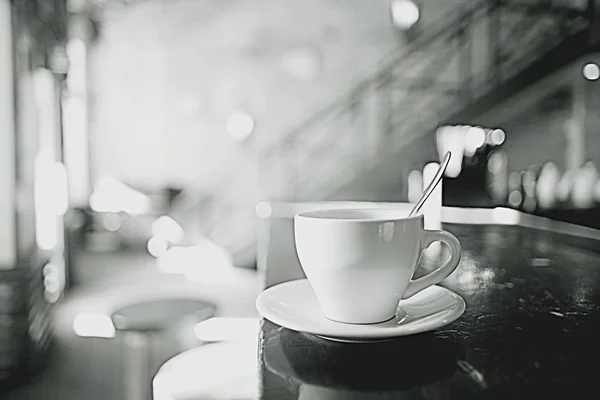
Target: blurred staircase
481 54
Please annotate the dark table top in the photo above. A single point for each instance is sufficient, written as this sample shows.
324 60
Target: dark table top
531 330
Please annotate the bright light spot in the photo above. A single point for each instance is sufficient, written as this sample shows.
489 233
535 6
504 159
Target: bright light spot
582 194
46 234
498 179
58 61
497 137
240 125
50 175
405 14
93 325
505 216
547 182
50 199
451 138
51 297
488 275
227 329
167 229
58 173
591 71
415 186
52 284
77 78
137 204
157 247
51 180
515 198
565 185
46 237
112 196
50 270
98 204
468 280
76 148
495 163
529 183
43 89
204 262
474 139
263 210
111 222
208 262
75 125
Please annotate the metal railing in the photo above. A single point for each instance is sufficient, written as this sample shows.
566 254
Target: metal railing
413 91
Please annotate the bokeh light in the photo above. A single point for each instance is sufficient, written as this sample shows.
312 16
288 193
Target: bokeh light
167 229
405 14
157 247
591 71
263 210
474 139
240 125
497 137
93 325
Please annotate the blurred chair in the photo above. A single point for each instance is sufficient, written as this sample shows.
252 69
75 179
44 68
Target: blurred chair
277 261
138 323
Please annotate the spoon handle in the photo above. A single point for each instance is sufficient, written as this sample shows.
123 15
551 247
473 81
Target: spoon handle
432 185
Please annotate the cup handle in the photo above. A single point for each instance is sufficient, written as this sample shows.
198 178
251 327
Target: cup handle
442 272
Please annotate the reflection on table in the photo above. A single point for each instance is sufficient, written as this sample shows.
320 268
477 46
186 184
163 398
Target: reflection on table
529 329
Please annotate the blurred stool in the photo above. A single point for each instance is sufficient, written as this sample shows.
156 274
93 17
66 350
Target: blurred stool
219 370
138 323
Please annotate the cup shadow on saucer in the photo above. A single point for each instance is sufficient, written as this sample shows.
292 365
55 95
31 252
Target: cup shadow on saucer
399 364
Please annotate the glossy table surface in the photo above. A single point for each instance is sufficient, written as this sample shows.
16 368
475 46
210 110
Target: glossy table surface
531 330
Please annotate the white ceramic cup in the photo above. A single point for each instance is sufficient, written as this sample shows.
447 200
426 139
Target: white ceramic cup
360 263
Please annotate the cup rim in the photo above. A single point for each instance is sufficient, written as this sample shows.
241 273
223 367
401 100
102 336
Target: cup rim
319 215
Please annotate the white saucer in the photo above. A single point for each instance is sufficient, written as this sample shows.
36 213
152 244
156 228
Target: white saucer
293 305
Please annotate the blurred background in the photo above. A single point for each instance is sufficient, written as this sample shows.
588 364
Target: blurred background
142 139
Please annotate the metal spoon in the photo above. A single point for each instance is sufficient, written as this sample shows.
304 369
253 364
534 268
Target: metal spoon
436 179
